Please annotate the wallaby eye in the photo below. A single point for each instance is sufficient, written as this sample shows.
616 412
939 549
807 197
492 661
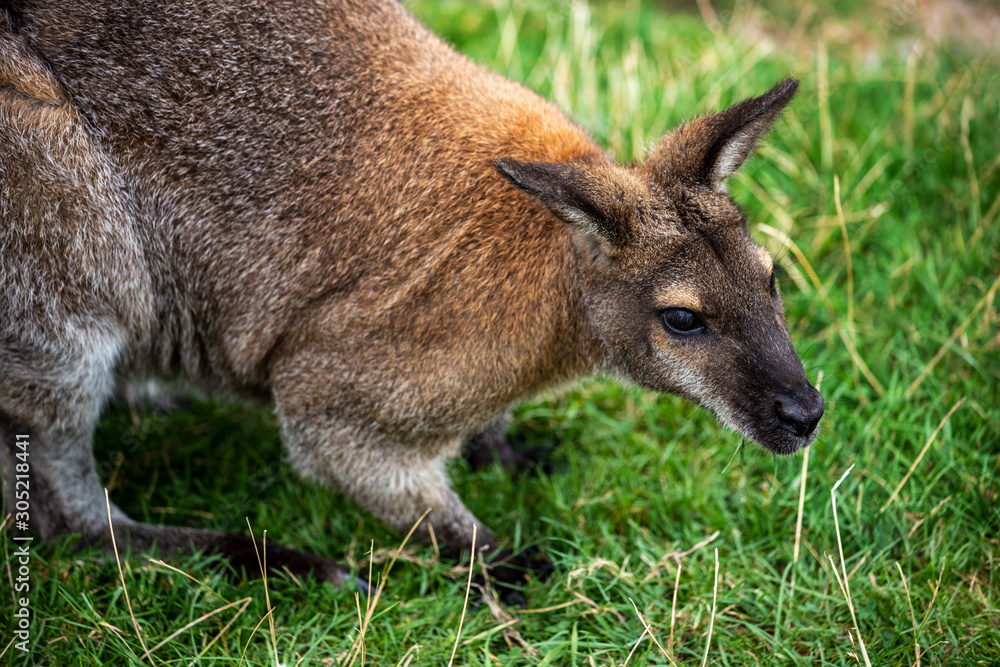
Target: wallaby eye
682 321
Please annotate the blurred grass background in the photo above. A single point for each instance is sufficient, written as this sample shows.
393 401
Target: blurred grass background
879 190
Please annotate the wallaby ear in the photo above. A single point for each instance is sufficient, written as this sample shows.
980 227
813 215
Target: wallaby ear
710 149
600 199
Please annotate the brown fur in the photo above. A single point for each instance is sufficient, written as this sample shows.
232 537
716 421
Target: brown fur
321 203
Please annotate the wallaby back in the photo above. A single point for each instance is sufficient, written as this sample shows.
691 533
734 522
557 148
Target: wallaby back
329 148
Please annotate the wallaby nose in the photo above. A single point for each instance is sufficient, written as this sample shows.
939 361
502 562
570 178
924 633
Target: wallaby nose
799 414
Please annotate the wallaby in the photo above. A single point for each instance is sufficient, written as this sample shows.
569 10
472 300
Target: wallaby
319 203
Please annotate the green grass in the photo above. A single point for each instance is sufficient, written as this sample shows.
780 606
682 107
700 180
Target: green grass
642 479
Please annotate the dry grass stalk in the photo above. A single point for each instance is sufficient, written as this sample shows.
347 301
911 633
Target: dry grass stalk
262 564
223 630
121 576
252 633
408 656
555 607
913 618
465 605
673 609
652 636
803 261
245 602
923 451
677 556
121 636
711 620
845 584
987 298
802 503
648 630
371 602
638 641
849 333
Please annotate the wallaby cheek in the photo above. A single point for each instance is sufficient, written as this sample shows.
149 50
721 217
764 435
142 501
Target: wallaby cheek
676 367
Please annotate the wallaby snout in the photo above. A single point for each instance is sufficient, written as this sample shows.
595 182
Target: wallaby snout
799 414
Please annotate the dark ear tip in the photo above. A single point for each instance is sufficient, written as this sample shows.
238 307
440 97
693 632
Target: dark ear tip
507 166
525 175
511 169
790 83
785 89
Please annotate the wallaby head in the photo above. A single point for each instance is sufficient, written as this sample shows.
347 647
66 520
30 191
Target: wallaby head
680 297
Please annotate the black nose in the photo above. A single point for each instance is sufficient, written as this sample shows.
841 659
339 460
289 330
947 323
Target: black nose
799 414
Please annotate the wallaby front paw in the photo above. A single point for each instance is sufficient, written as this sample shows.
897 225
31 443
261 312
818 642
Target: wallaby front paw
509 572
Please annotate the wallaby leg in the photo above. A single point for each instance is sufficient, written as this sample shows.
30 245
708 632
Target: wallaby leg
66 493
398 484
395 483
52 392
58 410
74 296
71 287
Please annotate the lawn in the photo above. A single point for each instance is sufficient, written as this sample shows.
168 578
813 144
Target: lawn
879 190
